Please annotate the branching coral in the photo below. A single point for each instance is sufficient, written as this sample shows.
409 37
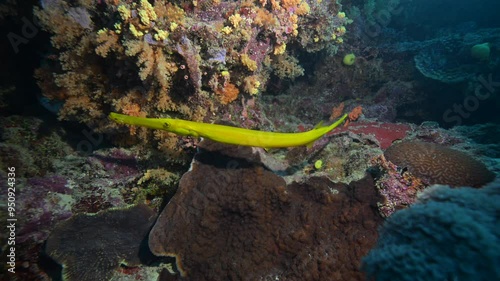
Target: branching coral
287 67
252 85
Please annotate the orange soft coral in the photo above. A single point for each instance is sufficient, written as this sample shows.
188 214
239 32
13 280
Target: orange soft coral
354 115
337 111
227 94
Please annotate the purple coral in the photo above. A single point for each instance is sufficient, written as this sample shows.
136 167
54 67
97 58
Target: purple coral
257 49
397 192
53 184
218 55
41 203
148 38
81 16
188 51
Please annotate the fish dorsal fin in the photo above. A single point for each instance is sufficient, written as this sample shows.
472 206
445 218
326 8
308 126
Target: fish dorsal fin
319 125
310 145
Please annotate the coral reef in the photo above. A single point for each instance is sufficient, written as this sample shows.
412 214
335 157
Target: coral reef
399 185
367 83
55 180
304 213
482 140
245 223
345 159
106 178
31 143
437 164
91 247
449 234
447 58
398 188
166 58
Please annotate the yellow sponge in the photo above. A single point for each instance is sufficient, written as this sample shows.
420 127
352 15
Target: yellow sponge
349 59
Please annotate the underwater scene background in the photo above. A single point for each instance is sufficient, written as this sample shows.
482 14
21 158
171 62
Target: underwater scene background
298 140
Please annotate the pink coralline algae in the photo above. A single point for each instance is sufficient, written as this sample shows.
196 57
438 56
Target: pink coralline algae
55 184
257 49
399 189
81 184
383 134
43 202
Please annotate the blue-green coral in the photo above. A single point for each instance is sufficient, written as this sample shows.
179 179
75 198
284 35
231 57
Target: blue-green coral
450 234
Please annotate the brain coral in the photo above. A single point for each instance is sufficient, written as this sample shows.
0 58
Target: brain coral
233 220
437 164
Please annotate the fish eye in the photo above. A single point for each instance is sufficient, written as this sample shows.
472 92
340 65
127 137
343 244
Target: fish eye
166 125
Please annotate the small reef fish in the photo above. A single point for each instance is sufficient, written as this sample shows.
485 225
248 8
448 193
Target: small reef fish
229 134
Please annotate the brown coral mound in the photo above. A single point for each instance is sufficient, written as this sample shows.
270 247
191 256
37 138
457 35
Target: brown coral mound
233 220
437 164
91 246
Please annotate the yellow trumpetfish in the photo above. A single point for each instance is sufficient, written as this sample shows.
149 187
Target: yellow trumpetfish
228 134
